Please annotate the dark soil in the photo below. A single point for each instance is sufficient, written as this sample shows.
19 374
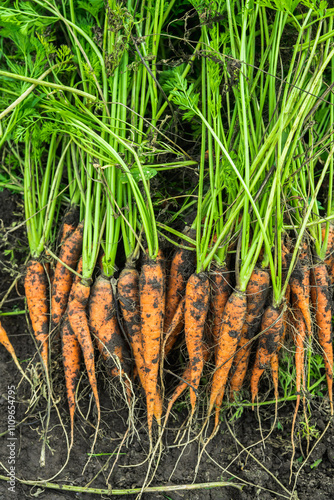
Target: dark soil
264 472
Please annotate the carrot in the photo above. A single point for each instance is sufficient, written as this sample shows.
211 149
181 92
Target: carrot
274 363
71 362
299 332
232 322
128 297
272 327
78 320
184 382
62 281
4 340
322 303
104 325
69 224
152 305
181 268
220 291
196 308
300 293
35 285
256 292
174 328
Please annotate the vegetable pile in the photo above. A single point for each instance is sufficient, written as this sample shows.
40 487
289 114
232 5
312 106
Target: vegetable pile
176 165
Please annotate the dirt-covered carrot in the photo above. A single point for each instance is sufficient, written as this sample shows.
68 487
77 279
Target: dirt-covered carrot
174 328
104 325
152 306
184 382
128 297
69 224
272 328
196 308
4 340
181 268
78 320
220 291
300 293
71 362
63 277
35 285
257 291
322 303
232 322
274 365
299 332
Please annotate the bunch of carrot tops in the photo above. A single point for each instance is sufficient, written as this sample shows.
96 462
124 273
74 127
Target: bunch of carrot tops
103 104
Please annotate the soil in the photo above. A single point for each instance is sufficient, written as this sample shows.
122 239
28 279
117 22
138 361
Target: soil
264 469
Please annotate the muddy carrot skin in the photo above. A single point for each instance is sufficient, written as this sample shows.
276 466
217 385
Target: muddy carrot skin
322 303
300 293
174 328
79 323
232 322
196 308
272 327
62 281
152 307
220 282
257 293
71 362
104 325
35 285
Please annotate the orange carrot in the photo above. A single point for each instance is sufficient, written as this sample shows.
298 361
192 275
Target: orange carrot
152 306
184 383
181 268
299 331
69 224
4 340
71 362
274 363
35 285
128 296
220 291
104 325
272 328
62 281
78 320
256 292
174 328
300 293
232 322
322 303
196 308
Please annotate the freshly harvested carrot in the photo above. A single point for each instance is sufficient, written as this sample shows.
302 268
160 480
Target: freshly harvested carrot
152 307
71 362
272 327
300 293
274 364
184 383
174 328
128 297
232 322
104 325
220 283
78 320
181 268
69 224
196 308
62 280
257 292
4 340
35 285
299 332
322 303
